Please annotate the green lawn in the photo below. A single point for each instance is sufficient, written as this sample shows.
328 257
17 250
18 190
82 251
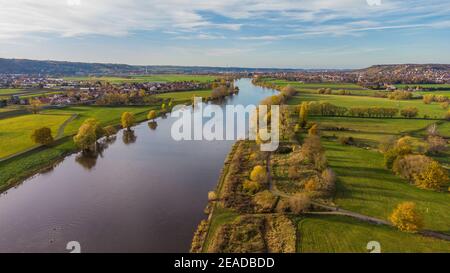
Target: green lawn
365 186
432 110
10 91
149 78
15 132
106 115
344 234
371 129
185 95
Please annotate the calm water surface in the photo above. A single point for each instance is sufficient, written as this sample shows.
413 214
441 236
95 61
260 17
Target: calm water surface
144 193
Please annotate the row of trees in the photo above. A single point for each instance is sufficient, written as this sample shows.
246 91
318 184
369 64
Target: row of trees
328 109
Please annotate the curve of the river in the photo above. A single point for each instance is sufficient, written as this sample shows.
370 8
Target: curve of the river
143 193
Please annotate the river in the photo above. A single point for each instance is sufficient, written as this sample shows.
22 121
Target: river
143 193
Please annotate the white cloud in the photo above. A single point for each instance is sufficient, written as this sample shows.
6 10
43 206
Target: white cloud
67 18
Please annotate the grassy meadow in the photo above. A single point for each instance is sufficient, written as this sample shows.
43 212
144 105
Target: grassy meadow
147 78
343 234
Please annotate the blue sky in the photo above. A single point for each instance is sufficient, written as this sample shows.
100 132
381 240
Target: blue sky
246 33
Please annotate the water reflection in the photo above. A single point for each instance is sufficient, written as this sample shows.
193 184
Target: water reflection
128 137
152 125
88 158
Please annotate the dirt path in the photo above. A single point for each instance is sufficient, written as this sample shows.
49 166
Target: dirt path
61 128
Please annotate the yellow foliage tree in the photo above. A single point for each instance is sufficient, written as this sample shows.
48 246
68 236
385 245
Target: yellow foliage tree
303 115
258 174
151 115
433 177
314 130
35 106
127 120
406 217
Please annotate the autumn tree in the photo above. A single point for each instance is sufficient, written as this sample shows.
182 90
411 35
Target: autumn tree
436 144
35 106
258 174
87 134
314 130
433 177
151 115
109 131
447 115
42 136
409 112
299 203
405 217
127 120
427 99
303 115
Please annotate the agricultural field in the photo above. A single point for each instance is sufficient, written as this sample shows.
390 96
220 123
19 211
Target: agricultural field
10 91
440 86
15 132
149 78
343 234
300 85
433 110
365 186
184 96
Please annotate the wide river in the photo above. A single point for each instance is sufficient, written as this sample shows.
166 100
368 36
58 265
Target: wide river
141 194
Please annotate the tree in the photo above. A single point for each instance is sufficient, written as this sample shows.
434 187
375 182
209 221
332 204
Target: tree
406 217
314 130
258 174
299 203
86 136
151 115
163 107
303 114
433 177
447 115
127 120
436 144
42 136
35 106
109 131
251 186
409 112
427 99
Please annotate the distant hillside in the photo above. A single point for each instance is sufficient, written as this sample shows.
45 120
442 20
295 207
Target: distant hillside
407 73
22 66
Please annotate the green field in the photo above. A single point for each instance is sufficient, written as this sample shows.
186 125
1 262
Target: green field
149 78
437 93
336 86
184 96
15 132
10 91
367 187
446 86
432 110
343 234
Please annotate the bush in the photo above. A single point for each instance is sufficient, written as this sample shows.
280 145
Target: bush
409 112
447 115
406 217
432 177
251 186
258 174
299 203
312 185
42 136
329 179
409 166
109 131
346 140
212 196
265 201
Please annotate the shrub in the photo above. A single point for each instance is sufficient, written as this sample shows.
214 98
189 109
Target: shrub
444 105
447 115
400 95
299 203
409 112
436 144
265 201
346 140
432 177
251 186
109 131
312 185
151 115
258 174
42 136
406 217
427 99
212 196
409 166
329 179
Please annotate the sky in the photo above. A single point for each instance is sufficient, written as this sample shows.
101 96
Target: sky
243 33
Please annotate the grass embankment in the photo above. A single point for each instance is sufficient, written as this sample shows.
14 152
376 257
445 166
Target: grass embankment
344 234
185 96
